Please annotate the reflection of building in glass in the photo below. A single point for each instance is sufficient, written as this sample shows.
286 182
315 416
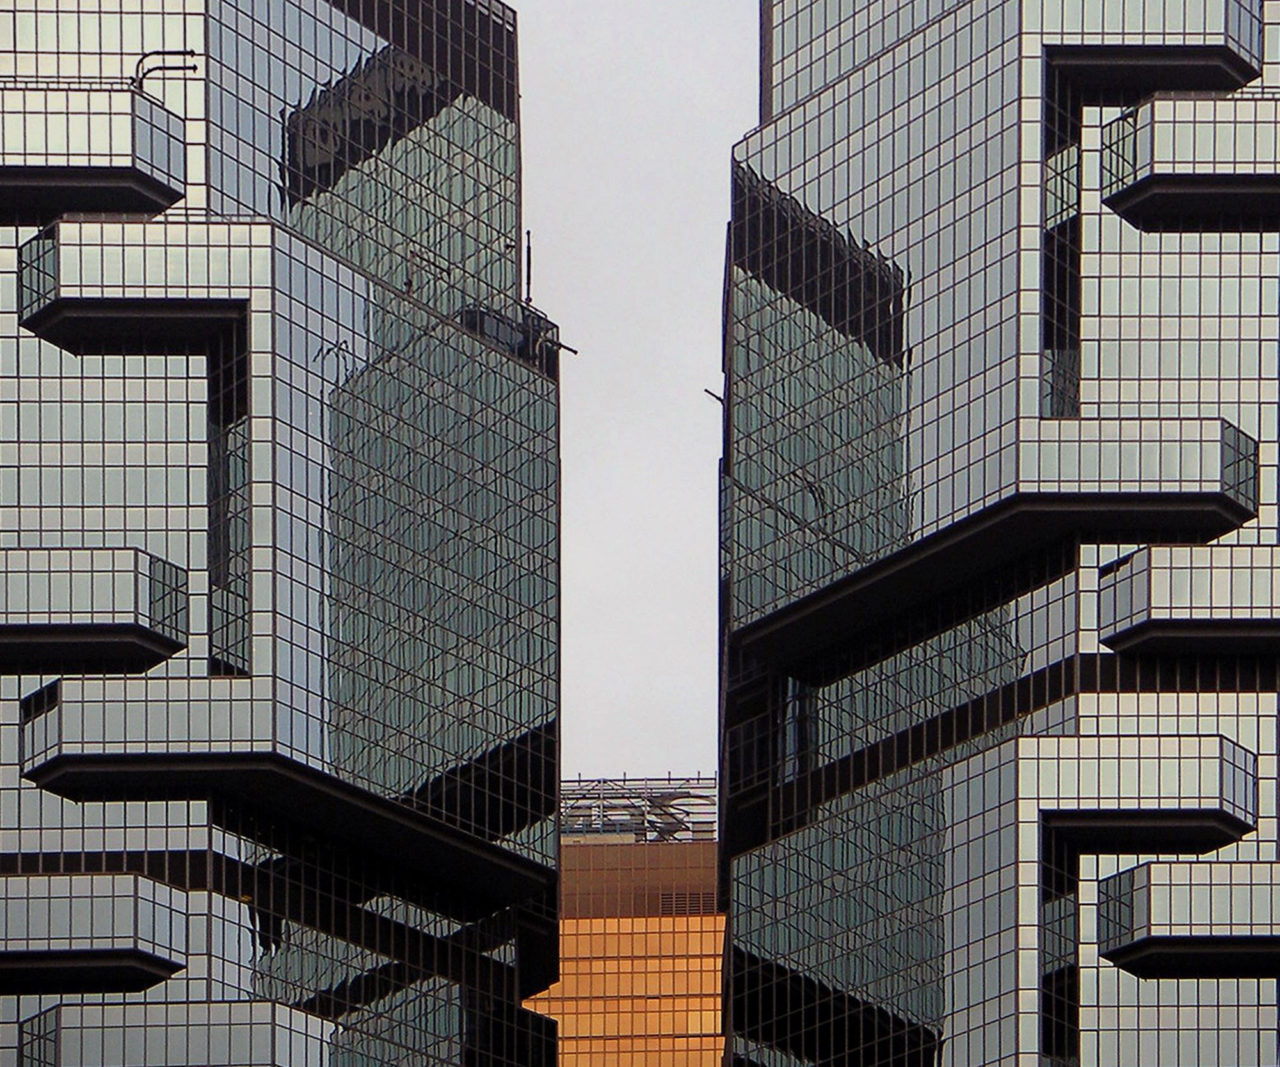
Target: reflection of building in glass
278 628
998 537
413 176
816 483
641 936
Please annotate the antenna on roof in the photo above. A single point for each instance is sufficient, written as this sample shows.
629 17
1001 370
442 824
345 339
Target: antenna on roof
528 266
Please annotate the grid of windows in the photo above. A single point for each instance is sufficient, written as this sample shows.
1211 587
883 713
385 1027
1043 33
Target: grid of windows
1000 320
278 506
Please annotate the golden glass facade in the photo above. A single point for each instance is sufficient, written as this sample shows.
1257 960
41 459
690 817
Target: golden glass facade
641 940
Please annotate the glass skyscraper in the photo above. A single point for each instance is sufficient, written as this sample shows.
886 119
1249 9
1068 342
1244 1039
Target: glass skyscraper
279 509
1000 600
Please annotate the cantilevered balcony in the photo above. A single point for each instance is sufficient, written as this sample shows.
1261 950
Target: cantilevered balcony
1184 599
1208 44
1179 163
84 146
1192 920
1136 794
1146 481
93 285
205 1034
104 739
89 610
1054 800
89 933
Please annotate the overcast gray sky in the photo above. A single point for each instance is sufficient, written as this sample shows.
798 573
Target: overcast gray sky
629 113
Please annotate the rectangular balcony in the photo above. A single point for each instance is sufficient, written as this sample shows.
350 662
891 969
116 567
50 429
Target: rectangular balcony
1118 50
156 738
100 285
1186 164
1119 795
1193 599
1141 794
1108 481
89 610
85 146
89 933
204 1034
1192 920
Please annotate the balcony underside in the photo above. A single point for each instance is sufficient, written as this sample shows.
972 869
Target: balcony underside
82 648
33 196
820 638
1116 73
474 878
88 326
1199 957
1201 202
82 971
1177 830
1181 637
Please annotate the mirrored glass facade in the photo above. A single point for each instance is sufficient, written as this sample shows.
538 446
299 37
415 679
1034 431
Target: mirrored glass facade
279 505
998 520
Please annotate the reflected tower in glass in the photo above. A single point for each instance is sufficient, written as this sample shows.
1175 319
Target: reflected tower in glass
279 500
999 537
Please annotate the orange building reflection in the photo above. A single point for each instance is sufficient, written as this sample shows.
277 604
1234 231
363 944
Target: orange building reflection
640 938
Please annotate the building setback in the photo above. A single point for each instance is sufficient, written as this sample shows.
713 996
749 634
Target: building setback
278 540
641 937
1000 596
